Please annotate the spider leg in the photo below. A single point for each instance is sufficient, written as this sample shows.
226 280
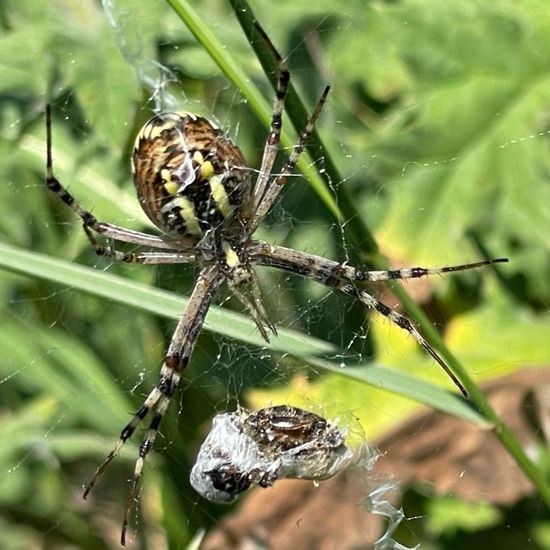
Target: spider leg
106 229
338 276
176 360
250 297
275 187
401 321
272 143
139 257
322 269
258 302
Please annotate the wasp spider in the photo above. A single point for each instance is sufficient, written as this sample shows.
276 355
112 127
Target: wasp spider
194 185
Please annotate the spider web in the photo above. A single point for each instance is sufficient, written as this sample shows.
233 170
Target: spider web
467 188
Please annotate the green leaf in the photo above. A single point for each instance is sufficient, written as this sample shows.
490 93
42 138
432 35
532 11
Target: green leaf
446 515
146 298
224 322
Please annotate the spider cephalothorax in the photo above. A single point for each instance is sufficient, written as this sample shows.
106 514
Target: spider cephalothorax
194 185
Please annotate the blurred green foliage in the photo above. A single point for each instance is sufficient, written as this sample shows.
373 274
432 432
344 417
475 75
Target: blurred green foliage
439 122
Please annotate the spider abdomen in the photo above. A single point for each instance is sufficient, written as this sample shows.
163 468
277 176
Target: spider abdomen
188 174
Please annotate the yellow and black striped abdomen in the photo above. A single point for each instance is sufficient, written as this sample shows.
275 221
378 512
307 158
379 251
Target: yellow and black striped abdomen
188 174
